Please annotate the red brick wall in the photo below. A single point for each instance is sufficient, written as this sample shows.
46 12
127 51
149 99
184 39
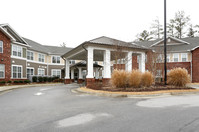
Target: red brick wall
5 56
195 65
135 65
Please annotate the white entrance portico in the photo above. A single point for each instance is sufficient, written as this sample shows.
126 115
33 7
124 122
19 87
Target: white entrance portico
107 51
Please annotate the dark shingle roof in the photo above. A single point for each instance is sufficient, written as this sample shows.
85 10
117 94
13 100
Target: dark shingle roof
83 64
46 49
110 41
193 43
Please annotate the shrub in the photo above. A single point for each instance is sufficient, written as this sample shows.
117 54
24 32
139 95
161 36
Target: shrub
50 79
34 79
16 81
21 81
135 78
9 81
147 79
178 77
40 79
26 81
54 78
119 78
45 79
2 82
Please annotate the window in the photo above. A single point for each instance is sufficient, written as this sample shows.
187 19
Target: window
41 57
30 72
30 55
56 72
176 57
168 71
72 62
159 73
56 59
2 71
1 46
184 57
168 57
159 59
41 72
17 71
16 50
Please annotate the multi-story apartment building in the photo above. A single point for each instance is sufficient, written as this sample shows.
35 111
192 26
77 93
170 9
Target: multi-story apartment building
21 57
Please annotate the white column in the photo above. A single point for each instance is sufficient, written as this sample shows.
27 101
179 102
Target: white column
80 73
72 73
90 62
107 64
67 69
142 62
128 65
96 73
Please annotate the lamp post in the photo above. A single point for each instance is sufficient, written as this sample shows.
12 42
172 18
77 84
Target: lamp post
165 43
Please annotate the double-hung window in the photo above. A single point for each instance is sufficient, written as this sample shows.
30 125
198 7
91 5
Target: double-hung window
30 72
2 71
184 57
41 57
1 46
56 59
159 58
56 72
16 50
168 57
30 55
41 71
176 57
17 71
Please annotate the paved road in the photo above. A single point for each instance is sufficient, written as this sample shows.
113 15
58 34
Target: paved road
56 109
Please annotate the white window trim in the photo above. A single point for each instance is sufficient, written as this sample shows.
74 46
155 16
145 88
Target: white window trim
30 68
40 69
17 51
17 75
44 57
56 71
2 46
186 57
56 59
4 71
178 57
27 55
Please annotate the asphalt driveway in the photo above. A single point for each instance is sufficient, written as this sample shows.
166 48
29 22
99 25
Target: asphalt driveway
56 109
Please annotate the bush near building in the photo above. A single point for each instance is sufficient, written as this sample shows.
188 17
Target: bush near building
135 79
178 77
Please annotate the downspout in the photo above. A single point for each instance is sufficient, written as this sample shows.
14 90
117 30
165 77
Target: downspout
86 61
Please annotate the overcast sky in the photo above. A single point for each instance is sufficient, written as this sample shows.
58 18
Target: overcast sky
52 22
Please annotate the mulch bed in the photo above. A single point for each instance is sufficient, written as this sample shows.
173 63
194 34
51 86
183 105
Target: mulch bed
157 87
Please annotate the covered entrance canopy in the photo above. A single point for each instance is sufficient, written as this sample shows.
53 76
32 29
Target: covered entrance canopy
106 50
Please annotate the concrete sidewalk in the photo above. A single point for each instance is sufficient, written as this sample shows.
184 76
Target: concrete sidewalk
5 88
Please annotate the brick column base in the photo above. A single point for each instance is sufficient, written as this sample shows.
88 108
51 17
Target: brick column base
90 82
79 81
67 81
106 82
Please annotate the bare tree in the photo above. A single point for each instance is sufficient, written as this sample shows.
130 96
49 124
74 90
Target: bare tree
63 44
157 29
144 36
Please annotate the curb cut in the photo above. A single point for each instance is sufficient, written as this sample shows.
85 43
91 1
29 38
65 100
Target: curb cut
78 90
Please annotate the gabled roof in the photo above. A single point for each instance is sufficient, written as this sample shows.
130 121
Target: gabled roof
189 44
9 30
55 50
110 41
83 64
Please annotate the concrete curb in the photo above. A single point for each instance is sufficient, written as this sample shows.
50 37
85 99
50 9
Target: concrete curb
78 90
6 88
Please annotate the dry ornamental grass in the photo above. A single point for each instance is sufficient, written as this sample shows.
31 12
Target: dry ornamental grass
178 77
119 78
147 79
135 78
